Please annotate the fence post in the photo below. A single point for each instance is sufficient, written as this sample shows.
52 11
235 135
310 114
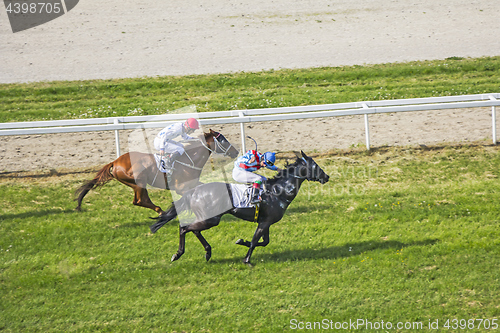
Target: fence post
242 128
367 127
493 121
117 138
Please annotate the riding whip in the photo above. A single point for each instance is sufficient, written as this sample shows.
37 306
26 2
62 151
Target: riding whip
253 141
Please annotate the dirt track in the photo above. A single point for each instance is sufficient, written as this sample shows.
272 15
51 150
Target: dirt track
134 38
83 150
128 38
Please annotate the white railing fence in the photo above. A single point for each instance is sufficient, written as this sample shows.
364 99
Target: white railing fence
258 115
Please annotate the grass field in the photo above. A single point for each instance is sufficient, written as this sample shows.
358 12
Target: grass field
146 96
398 235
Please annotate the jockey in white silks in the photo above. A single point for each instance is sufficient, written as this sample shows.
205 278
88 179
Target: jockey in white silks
167 146
246 165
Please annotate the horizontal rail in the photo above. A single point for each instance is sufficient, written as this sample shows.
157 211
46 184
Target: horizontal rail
249 116
252 112
257 115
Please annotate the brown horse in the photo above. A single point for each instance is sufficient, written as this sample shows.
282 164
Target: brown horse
138 170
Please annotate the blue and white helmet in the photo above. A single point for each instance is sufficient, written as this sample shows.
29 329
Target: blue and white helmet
269 159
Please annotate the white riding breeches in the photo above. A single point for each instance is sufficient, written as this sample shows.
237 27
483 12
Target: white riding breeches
243 176
169 146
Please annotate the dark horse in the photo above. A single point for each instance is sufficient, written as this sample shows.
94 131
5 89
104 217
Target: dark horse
209 202
137 170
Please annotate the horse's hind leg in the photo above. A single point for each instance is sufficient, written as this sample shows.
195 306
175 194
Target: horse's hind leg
182 244
135 176
203 241
196 228
141 198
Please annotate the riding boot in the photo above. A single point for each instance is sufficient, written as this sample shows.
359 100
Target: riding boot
255 193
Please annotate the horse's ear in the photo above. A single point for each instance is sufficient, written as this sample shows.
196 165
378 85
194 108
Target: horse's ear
304 155
212 131
297 154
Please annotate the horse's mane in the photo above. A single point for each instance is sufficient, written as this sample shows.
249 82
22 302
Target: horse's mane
206 135
284 173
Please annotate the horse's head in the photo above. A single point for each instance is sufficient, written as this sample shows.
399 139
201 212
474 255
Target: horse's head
310 170
220 145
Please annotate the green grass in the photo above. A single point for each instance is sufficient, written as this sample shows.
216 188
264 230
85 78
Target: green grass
399 235
157 95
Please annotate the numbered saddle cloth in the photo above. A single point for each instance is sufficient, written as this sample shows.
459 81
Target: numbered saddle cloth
242 195
161 163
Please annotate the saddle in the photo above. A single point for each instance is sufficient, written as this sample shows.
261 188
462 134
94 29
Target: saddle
241 196
161 164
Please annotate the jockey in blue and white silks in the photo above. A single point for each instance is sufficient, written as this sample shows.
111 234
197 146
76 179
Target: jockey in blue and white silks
247 164
165 143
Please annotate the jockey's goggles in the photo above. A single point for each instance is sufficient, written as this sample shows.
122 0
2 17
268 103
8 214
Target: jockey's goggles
269 163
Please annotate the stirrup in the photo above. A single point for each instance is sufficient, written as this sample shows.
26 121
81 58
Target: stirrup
167 163
256 199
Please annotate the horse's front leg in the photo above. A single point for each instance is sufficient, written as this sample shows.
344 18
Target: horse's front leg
260 232
265 240
182 244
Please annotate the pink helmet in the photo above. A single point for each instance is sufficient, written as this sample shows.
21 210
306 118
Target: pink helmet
192 123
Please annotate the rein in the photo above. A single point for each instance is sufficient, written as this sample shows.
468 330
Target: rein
189 166
218 145
299 177
307 177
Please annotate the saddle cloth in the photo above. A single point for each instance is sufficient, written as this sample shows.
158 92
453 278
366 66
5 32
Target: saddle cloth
161 162
241 195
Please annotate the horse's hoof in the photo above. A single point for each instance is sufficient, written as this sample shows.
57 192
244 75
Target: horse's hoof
208 255
240 242
175 257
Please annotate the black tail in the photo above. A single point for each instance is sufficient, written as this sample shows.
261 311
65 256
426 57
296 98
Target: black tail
170 214
100 179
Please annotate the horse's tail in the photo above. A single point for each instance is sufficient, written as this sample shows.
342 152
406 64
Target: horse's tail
177 207
102 177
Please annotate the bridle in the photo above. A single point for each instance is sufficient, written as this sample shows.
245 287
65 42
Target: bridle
309 173
312 173
218 145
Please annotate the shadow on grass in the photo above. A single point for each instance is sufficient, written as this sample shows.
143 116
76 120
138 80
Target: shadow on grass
387 149
133 225
35 213
44 174
332 252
